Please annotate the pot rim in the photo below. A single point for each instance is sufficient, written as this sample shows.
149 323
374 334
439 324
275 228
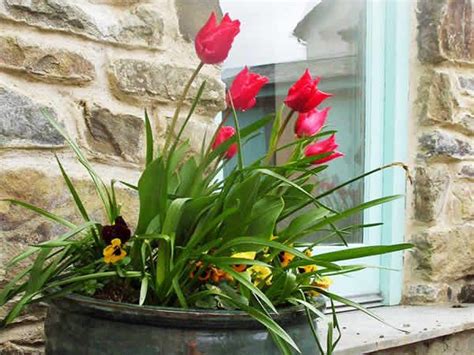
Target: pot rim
175 317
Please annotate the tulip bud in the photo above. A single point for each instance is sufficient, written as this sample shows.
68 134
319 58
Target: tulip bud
213 41
225 133
244 89
322 147
310 123
304 95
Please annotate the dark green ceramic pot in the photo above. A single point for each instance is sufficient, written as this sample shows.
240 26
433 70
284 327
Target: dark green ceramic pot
82 325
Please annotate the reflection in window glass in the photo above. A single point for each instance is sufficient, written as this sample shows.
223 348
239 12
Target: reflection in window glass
280 39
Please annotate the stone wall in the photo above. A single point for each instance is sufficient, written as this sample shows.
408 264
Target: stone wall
94 66
457 343
441 212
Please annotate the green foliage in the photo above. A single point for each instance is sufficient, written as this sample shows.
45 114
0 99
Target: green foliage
201 242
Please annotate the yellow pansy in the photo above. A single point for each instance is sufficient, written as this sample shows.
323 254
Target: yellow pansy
285 258
114 252
308 268
323 282
259 273
244 255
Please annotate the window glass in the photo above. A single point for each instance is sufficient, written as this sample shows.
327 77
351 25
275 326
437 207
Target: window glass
280 39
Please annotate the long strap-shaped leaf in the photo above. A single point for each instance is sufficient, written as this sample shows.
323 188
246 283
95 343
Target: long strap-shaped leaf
63 237
99 184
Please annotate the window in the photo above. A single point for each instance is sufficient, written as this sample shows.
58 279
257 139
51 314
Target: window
359 53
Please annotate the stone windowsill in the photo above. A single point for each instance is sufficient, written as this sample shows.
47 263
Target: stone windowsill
362 333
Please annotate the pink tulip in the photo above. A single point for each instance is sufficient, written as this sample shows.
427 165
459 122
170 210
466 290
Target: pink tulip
310 123
213 41
244 89
304 95
225 133
322 147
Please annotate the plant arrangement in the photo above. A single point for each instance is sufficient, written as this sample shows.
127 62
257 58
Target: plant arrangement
202 242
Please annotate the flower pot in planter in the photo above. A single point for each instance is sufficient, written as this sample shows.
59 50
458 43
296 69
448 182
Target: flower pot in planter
82 325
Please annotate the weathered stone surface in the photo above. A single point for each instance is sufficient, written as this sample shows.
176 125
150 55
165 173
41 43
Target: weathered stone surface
467 294
141 80
466 123
425 293
114 134
436 98
22 122
117 2
45 64
192 14
431 189
444 144
445 30
456 343
467 171
463 204
141 26
444 255
466 83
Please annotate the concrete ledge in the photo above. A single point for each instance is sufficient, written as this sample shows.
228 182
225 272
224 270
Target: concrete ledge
362 334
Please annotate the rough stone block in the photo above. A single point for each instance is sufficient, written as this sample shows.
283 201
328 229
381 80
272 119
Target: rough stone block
467 172
441 144
192 14
444 255
114 134
420 293
466 83
445 30
44 63
23 124
463 203
435 96
467 294
144 81
137 27
431 188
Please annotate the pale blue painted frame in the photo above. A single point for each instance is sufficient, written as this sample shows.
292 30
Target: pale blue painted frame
388 39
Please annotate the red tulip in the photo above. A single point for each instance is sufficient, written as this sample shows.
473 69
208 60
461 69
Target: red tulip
310 123
325 146
304 95
225 133
244 89
213 41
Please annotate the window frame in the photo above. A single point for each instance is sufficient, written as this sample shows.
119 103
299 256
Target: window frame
388 39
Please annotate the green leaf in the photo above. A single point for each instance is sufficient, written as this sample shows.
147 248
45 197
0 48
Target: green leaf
149 140
344 214
360 252
63 237
143 290
51 216
353 304
152 193
244 281
73 191
99 184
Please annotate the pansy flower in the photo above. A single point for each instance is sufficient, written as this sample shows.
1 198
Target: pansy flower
113 253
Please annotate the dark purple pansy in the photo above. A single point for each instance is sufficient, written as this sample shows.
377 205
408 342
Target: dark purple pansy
117 230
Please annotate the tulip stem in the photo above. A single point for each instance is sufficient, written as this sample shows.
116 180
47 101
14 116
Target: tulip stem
274 142
240 159
285 123
180 104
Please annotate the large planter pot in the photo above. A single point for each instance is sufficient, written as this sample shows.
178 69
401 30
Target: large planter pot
82 325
